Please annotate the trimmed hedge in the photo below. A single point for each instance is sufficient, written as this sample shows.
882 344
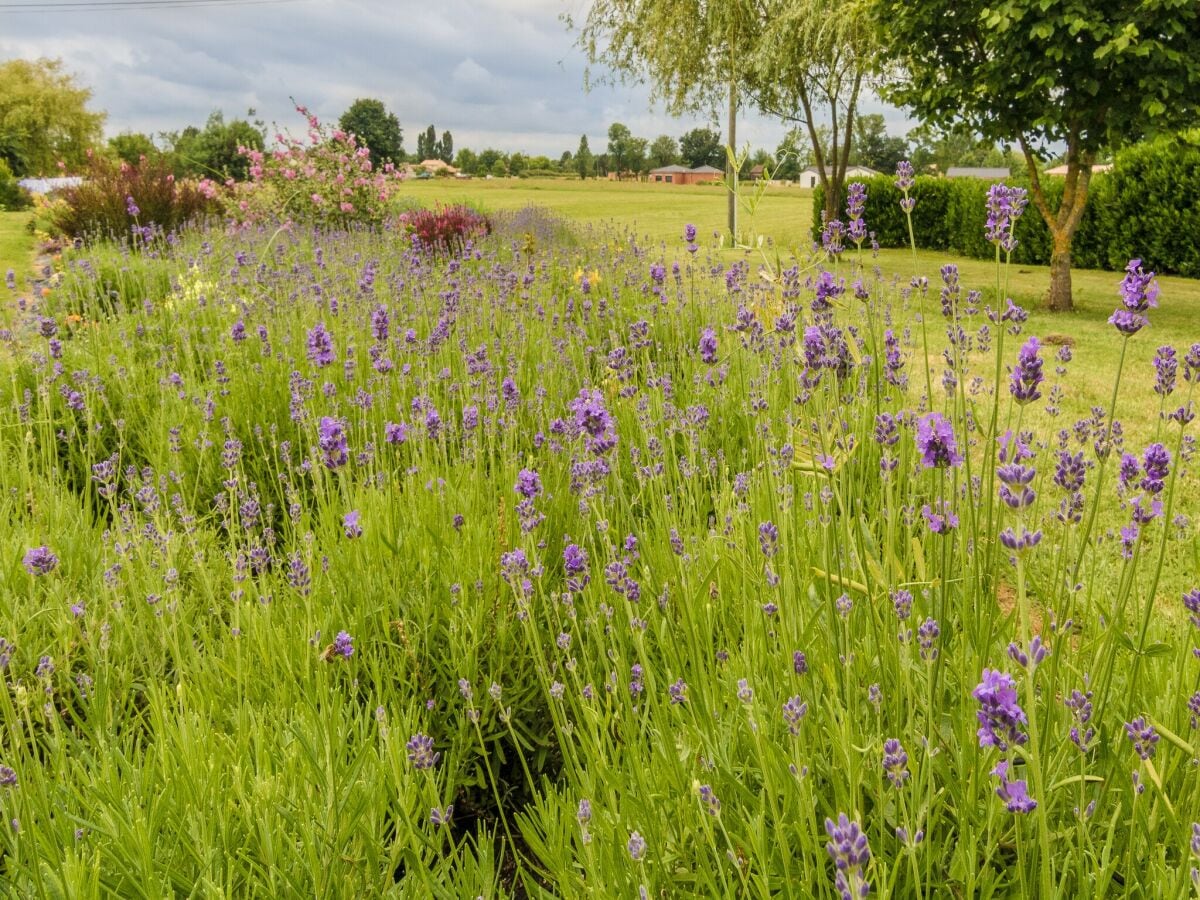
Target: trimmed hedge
1148 207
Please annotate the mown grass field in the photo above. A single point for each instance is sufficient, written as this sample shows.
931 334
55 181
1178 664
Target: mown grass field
16 243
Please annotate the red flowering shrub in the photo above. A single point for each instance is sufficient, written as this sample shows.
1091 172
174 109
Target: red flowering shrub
446 229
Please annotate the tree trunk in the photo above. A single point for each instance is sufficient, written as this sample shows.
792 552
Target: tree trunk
730 174
1065 222
1060 273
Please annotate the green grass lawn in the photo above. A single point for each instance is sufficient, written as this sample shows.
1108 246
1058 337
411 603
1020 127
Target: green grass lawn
16 243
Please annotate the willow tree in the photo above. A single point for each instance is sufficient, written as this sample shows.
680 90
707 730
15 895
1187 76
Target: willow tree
1045 74
692 53
810 66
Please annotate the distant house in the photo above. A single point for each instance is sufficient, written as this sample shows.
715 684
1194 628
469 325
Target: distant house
684 175
988 174
757 172
810 177
1062 170
437 167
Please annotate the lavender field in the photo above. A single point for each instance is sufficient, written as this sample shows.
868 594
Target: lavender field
559 562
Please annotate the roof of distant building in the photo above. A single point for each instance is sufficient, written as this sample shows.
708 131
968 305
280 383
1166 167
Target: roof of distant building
977 172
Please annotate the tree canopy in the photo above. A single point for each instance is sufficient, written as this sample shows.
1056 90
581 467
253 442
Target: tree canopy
44 117
369 120
702 147
214 150
1038 72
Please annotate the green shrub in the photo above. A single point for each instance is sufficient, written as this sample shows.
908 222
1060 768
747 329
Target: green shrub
1147 207
13 197
1153 208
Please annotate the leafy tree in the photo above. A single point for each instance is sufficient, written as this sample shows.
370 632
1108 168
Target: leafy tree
585 164
445 149
691 53
701 147
131 146
566 161
663 152
517 163
214 151
44 117
488 159
809 67
874 147
498 169
467 161
620 148
427 145
370 121
1041 72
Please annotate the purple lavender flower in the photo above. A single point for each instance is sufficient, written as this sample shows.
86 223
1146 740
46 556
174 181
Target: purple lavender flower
768 539
529 484
420 751
395 432
1015 794
350 524
1139 292
1004 206
320 346
935 440
1191 602
856 203
800 662
943 521
850 853
895 762
1165 368
1037 652
131 207
40 561
1000 717
794 711
343 645
708 346
8 778
1142 736
636 847
1156 465
332 441
1027 374
926 635
709 801
1080 705
828 289
1191 364
678 692
832 235
904 176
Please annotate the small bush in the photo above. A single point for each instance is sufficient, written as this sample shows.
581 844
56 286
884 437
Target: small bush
13 197
447 228
116 197
1147 207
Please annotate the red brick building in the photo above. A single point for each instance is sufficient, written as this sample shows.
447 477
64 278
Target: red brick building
684 175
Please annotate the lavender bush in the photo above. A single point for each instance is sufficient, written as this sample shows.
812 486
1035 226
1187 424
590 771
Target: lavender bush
588 567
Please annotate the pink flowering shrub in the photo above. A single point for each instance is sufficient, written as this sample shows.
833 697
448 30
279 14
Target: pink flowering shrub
328 180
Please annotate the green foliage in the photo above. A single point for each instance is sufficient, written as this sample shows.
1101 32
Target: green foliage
13 197
216 151
117 199
1151 206
664 151
371 122
131 146
702 147
1090 74
44 117
1147 207
445 148
585 163
873 147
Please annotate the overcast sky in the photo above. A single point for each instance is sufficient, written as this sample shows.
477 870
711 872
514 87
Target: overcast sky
499 73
